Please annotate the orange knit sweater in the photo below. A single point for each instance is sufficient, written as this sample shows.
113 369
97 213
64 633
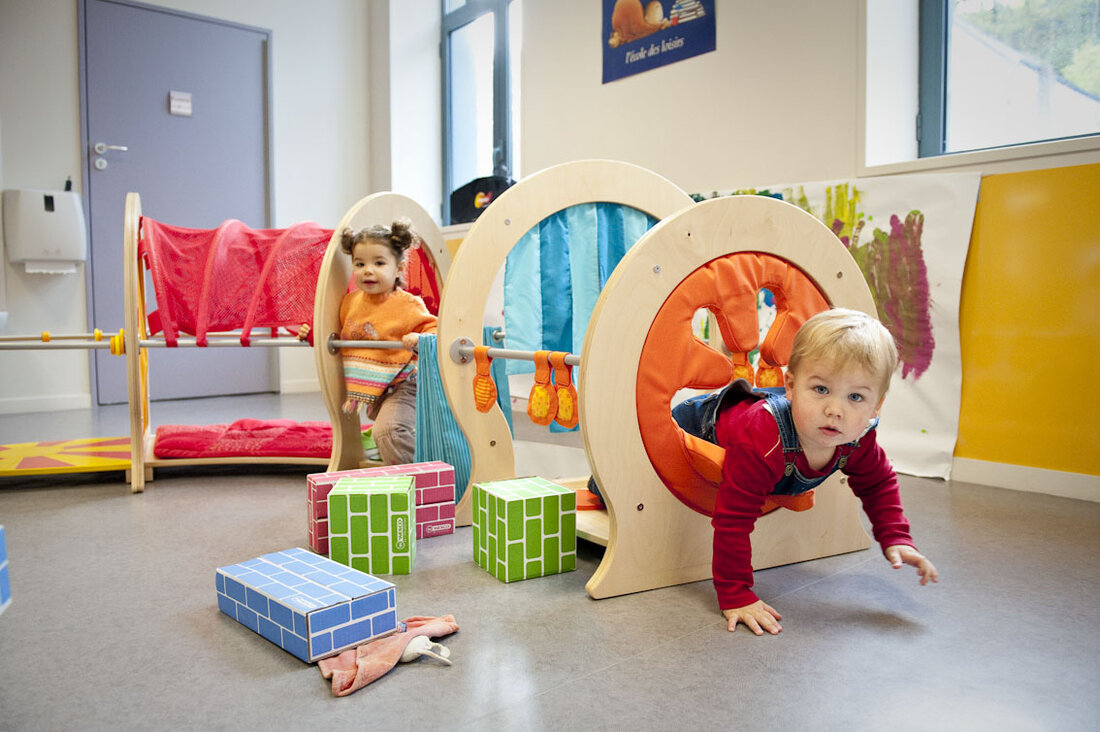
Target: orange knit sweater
368 372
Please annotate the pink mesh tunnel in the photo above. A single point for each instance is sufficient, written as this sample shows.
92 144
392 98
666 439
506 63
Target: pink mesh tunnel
232 277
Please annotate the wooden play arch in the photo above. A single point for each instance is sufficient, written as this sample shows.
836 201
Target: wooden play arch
655 527
332 285
481 255
655 537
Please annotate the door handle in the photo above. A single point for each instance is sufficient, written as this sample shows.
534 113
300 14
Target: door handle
101 147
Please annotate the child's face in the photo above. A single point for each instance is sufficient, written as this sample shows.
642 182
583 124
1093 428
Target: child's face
831 406
374 267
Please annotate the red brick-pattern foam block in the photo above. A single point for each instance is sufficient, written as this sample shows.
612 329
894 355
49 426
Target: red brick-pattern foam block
435 486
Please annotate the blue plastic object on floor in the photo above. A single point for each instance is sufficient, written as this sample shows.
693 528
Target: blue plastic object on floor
5 583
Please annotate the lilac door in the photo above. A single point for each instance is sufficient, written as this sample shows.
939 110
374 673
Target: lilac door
176 108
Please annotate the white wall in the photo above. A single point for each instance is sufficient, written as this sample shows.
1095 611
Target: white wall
781 99
775 101
416 107
40 148
322 164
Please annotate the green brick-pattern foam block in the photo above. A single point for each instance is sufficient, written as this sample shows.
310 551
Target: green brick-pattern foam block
372 523
524 528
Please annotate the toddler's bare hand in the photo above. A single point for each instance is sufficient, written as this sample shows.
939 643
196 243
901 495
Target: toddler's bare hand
903 554
757 617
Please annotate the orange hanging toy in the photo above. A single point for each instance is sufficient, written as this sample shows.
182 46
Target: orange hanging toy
769 376
564 390
485 390
542 404
742 369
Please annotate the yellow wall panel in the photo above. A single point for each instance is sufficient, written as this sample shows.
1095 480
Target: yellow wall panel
1030 322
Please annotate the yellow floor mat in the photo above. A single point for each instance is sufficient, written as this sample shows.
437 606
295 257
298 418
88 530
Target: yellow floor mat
65 456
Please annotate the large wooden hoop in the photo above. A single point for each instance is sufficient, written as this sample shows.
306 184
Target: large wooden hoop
654 540
481 256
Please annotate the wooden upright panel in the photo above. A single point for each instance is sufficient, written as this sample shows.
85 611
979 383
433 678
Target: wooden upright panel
137 369
481 256
332 284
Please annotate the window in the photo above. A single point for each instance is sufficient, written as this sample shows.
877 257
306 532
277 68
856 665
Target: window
480 78
995 73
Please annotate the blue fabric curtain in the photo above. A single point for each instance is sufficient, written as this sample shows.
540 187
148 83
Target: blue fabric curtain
555 273
438 436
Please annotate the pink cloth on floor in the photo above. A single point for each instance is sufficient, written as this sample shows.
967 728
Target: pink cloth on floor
283 438
356 667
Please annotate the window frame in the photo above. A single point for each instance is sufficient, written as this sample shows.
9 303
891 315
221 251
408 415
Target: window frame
932 43
1025 156
452 21
931 124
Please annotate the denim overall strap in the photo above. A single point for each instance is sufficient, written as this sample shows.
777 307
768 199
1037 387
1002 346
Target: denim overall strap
793 482
780 408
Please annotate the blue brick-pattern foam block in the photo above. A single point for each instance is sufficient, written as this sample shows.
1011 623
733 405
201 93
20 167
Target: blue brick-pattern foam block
307 604
5 583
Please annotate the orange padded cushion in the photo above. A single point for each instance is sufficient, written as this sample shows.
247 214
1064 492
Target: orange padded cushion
673 358
706 458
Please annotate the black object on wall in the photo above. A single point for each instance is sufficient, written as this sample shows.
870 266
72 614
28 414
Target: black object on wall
470 200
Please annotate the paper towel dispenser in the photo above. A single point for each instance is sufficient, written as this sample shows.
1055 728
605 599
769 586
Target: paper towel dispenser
45 230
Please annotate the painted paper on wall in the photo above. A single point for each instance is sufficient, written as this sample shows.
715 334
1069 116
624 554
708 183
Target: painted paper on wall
639 35
909 235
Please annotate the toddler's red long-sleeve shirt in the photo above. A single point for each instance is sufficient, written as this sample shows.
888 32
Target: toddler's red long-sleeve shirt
754 466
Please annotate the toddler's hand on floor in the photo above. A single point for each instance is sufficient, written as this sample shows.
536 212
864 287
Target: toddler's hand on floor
757 617
903 554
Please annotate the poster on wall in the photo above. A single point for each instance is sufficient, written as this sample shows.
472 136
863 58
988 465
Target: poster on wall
909 234
639 35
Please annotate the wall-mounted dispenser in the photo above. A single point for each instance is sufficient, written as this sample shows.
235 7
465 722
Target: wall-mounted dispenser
45 230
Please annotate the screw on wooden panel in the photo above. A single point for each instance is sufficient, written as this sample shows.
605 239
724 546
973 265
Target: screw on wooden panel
656 269
641 506
839 275
492 443
507 222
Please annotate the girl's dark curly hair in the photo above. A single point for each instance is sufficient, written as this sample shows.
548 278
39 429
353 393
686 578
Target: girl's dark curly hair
398 236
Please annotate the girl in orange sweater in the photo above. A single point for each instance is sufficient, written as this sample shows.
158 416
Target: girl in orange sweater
383 380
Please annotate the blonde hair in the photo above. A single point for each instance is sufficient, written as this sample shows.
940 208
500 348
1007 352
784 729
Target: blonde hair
844 337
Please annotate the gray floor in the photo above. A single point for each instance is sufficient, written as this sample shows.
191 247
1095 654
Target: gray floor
114 624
